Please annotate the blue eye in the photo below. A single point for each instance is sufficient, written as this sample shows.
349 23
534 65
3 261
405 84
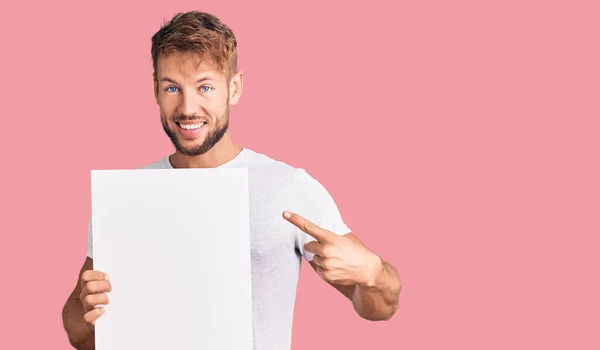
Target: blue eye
172 89
205 88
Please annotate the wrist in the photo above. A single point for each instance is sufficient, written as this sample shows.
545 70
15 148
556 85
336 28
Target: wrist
375 271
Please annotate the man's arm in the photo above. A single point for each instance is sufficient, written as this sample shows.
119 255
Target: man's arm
377 301
372 284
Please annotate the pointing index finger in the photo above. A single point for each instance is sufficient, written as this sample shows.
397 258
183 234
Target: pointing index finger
320 234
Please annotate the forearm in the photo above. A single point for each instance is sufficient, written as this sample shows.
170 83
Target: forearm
378 301
81 333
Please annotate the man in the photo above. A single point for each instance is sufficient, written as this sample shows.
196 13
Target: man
195 81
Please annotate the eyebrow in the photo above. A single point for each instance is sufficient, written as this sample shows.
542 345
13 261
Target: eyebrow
208 77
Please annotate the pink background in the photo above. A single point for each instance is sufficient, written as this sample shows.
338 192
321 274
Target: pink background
460 140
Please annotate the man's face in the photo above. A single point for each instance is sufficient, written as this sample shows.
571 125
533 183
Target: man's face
194 102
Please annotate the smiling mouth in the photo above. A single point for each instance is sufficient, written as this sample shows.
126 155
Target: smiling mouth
189 126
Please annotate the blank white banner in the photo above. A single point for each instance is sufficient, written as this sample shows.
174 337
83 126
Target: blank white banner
176 245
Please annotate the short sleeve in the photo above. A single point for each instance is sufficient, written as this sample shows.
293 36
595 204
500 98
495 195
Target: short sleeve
90 246
312 201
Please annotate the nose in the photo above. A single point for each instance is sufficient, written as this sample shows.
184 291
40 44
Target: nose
189 104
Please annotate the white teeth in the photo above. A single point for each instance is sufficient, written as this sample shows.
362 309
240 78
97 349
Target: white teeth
191 126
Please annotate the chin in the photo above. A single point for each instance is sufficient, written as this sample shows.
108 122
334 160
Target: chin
192 148
190 145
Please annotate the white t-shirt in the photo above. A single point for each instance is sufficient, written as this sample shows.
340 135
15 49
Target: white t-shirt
276 245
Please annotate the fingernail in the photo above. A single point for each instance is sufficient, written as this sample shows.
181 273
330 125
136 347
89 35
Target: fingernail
107 277
287 214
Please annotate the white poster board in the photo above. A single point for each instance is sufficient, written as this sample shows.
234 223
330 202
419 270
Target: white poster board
176 245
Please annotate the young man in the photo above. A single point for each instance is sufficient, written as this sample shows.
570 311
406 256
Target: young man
196 80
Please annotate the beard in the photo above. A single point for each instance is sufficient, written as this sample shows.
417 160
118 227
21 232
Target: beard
212 137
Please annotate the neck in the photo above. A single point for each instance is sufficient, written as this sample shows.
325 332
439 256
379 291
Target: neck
222 152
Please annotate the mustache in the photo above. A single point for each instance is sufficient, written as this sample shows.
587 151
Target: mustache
181 118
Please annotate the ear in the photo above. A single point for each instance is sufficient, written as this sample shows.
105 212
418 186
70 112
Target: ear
155 87
236 86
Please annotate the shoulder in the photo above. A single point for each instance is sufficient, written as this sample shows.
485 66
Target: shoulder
274 174
158 164
261 163
296 175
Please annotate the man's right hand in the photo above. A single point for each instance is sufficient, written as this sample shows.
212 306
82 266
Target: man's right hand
94 286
